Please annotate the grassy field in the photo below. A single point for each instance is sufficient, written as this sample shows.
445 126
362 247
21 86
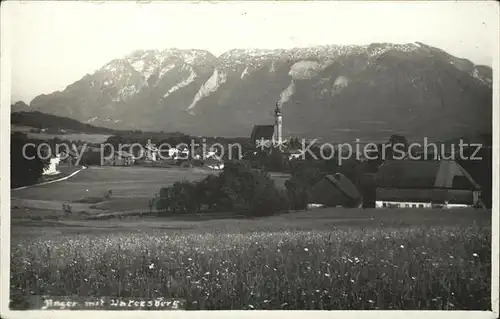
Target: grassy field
264 266
132 189
317 259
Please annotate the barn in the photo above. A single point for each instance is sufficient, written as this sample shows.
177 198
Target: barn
425 184
335 190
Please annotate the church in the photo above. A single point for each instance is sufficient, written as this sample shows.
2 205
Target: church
271 135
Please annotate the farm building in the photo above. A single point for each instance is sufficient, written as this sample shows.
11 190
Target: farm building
335 190
120 158
424 184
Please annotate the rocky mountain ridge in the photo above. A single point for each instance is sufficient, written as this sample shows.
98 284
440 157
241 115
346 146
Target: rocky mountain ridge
333 92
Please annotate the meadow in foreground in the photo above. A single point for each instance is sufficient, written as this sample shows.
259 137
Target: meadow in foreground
392 268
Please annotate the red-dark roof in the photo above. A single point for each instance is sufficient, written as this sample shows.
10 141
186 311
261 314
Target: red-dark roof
344 184
421 174
333 190
262 132
407 174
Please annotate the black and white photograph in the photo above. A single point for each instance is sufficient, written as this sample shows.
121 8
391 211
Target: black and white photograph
250 155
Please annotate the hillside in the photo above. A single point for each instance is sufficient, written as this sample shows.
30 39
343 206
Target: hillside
335 92
41 120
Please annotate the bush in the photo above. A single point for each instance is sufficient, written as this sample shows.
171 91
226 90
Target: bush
307 173
90 200
181 198
267 202
95 199
91 158
250 191
210 192
297 195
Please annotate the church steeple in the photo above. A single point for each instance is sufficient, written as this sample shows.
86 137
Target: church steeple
277 110
278 124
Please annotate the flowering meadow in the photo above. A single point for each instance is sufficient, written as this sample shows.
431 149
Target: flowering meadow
418 267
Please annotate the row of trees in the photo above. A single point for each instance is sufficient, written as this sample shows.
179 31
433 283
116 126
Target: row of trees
239 189
243 190
54 123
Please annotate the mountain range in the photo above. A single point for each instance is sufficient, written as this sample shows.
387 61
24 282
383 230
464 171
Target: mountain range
333 92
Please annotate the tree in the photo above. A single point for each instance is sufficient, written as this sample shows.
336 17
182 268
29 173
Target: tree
90 158
398 147
180 198
294 143
238 189
25 169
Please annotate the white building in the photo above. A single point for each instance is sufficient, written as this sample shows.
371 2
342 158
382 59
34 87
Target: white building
425 184
151 152
52 168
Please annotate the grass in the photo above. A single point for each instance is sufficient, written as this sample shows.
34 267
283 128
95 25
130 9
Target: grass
132 189
135 186
321 259
420 267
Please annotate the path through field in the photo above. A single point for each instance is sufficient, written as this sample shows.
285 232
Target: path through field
132 188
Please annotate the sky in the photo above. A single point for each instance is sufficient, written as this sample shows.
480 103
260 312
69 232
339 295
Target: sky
54 44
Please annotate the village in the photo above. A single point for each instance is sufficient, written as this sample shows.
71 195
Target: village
362 209
386 183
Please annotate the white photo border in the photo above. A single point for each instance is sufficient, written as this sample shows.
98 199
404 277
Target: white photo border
7 20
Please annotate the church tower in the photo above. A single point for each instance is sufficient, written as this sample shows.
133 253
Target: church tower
278 124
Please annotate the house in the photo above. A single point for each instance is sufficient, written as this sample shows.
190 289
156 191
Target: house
171 152
425 184
152 152
335 190
181 152
96 149
214 163
295 154
120 158
52 168
211 154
